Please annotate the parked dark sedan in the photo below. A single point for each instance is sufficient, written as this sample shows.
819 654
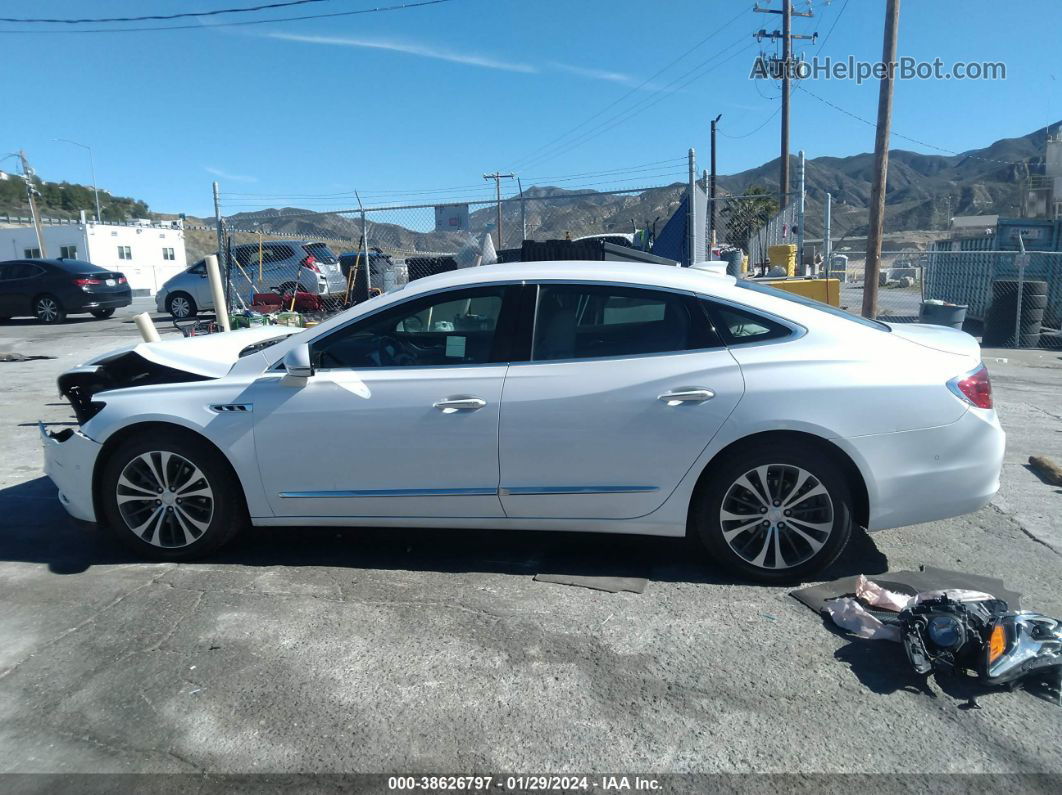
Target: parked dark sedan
50 289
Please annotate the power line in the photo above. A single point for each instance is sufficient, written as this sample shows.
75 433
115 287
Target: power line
641 106
399 7
907 137
757 129
530 157
675 176
836 19
635 169
165 16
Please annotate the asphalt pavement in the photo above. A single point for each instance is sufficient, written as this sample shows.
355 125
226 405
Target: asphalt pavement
324 650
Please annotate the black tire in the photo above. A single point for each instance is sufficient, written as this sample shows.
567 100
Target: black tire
784 461
181 306
1034 301
48 309
184 530
102 314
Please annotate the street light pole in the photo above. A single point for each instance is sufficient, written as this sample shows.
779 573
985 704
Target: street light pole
92 168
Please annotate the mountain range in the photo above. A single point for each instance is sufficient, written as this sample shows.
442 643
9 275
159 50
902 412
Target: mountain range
923 193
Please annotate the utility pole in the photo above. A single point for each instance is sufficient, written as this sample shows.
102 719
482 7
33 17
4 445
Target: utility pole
785 66
827 243
711 189
92 168
691 214
800 215
217 219
523 214
27 176
881 162
498 177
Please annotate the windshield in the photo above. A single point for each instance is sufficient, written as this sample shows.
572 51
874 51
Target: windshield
799 299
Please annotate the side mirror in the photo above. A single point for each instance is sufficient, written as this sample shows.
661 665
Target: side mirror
297 362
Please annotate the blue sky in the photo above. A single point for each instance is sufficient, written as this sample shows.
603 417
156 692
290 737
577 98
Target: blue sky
402 103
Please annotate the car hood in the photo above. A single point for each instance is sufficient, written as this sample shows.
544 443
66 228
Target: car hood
939 338
209 355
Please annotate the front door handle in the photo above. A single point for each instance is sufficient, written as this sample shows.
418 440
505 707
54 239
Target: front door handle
691 394
450 405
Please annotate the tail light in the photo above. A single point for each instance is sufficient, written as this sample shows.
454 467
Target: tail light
974 387
86 282
310 263
121 279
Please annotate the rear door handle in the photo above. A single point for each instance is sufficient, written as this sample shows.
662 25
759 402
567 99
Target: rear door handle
450 405
687 395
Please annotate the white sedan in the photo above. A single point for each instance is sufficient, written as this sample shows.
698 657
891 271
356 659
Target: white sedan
542 396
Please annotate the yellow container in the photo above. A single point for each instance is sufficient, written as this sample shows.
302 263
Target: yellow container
826 290
784 255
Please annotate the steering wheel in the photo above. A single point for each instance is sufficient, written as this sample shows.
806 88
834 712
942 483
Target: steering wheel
391 352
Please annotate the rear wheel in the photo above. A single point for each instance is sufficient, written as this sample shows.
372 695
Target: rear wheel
181 306
102 314
171 497
775 512
48 309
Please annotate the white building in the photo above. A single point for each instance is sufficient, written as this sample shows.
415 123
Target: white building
147 255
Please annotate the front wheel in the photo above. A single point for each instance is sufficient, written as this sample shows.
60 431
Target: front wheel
775 512
102 314
181 306
171 497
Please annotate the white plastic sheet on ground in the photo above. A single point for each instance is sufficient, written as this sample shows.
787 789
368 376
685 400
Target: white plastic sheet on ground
851 613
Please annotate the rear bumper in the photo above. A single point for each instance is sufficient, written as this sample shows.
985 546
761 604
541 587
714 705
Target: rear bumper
91 301
935 473
69 459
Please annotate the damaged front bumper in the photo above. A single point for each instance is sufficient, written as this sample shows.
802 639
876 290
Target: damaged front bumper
69 459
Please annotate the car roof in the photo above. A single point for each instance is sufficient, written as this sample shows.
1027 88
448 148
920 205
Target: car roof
64 264
638 273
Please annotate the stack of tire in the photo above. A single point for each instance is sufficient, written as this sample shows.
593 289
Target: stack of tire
419 267
999 324
559 250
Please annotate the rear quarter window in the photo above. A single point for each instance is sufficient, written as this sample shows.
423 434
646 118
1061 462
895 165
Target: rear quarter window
739 326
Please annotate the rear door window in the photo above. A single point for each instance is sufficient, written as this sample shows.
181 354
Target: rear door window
592 321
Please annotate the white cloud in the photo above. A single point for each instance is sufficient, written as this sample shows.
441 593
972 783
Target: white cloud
409 48
597 74
217 172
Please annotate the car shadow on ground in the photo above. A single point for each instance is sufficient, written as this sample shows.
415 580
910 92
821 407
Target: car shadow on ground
32 321
34 528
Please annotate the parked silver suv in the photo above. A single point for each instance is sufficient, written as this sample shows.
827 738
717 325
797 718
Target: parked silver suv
282 262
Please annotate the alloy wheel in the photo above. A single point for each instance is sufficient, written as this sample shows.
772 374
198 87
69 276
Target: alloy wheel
47 309
164 499
776 516
179 307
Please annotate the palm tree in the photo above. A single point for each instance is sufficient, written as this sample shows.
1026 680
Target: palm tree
745 215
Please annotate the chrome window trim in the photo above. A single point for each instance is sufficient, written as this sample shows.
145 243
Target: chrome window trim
535 491
491 491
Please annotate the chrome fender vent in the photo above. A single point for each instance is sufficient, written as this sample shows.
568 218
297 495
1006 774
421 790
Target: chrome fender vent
226 408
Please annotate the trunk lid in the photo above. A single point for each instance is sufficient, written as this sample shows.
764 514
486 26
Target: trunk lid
939 338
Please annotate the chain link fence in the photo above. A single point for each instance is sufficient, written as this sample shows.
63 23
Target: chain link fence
345 255
1008 298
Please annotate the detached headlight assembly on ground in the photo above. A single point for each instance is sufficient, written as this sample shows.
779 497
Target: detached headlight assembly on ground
945 635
